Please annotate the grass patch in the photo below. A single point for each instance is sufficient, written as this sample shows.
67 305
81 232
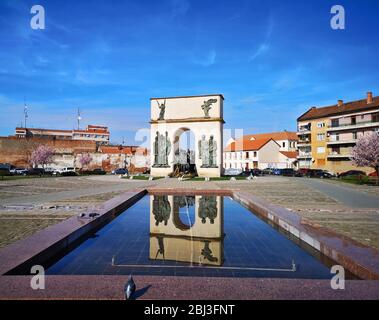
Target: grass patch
217 178
360 180
5 178
142 178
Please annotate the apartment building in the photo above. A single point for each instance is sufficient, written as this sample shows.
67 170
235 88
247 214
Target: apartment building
328 134
99 134
267 150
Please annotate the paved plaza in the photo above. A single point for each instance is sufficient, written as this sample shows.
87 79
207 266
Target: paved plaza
28 205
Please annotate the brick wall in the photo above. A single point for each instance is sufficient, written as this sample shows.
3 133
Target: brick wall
17 151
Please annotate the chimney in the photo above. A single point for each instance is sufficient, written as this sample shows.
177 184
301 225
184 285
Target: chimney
340 103
369 97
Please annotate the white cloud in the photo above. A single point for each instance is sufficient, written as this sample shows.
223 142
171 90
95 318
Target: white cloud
206 60
263 48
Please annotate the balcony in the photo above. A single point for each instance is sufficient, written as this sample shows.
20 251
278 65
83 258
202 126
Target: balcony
349 126
303 143
337 155
304 129
341 141
305 155
304 132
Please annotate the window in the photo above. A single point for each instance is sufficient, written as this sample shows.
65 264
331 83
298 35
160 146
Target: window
353 120
355 135
335 123
255 154
284 144
335 150
335 137
247 155
320 136
320 124
320 149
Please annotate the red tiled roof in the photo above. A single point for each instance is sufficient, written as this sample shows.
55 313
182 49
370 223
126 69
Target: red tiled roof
247 145
283 135
335 110
290 154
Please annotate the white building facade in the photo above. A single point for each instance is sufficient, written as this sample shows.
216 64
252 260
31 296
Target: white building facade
262 151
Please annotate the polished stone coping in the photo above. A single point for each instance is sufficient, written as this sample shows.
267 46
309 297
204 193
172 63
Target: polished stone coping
357 258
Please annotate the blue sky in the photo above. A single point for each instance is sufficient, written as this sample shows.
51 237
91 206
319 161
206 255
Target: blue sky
272 60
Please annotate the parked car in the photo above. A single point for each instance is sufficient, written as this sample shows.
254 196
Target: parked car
35 172
7 166
332 174
252 172
268 171
352 173
120 171
50 170
65 171
18 171
68 174
318 173
304 172
277 172
256 172
288 172
232 172
98 171
373 174
4 171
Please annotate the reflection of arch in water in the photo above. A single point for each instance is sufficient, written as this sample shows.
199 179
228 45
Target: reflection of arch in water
161 249
178 224
182 202
161 209
207 253
208 209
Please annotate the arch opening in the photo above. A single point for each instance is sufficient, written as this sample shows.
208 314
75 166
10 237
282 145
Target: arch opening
184 153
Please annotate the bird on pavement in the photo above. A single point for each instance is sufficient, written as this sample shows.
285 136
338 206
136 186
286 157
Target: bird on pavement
130 288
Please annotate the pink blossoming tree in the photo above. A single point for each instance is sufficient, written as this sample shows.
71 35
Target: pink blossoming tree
366 151
85 160
42 155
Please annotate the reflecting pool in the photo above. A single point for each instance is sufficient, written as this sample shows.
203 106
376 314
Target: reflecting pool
192 236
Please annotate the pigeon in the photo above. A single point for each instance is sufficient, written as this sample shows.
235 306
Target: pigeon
129 288
93 214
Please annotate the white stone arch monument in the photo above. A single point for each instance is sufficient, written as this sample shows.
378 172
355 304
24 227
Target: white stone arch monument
203 115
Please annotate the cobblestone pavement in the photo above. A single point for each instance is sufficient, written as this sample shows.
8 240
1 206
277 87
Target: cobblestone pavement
28 205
